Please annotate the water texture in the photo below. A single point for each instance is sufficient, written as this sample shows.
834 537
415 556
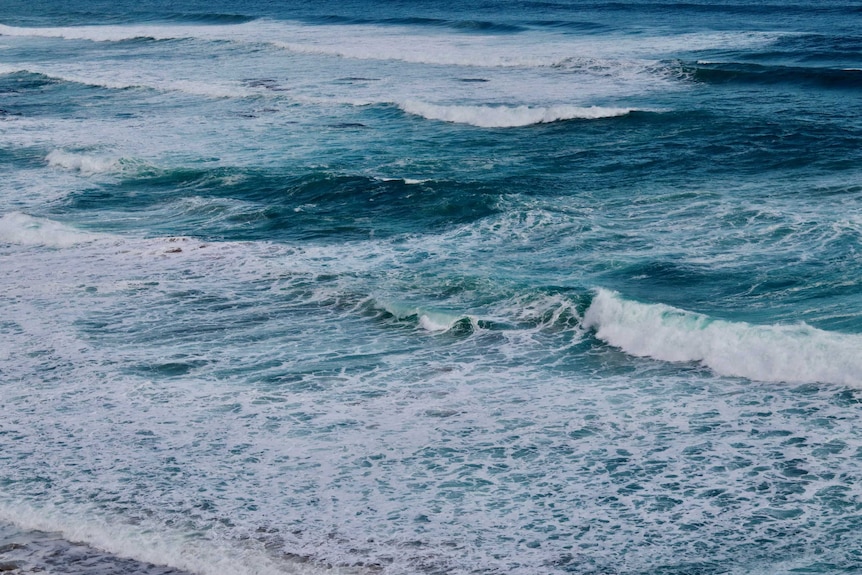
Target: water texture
470 288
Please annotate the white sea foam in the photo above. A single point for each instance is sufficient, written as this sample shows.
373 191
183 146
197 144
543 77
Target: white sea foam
18 228
111 33
407 181
429 320
86 164
790 353
114 78
509 116
409 44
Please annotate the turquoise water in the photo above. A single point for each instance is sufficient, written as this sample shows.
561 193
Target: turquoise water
515 288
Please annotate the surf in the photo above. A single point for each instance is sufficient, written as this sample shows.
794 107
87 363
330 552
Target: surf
485 116
796 353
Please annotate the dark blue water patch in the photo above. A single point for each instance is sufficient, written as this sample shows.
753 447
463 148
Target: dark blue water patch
22 81
570 25
48 13
509 15
33 94
813 48
635 15
722 136
237 204
744 73
472 26
206 18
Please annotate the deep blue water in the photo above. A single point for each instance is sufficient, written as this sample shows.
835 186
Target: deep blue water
473 287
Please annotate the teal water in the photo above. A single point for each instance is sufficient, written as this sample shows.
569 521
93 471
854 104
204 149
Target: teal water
515 288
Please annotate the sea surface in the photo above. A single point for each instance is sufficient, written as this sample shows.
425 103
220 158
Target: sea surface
509 287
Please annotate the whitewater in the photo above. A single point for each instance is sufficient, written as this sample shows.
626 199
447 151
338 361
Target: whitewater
351 288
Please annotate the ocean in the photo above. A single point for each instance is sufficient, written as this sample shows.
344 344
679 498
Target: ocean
511 287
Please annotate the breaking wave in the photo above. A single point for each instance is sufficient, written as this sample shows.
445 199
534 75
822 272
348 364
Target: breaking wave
18 228
788 353
509 116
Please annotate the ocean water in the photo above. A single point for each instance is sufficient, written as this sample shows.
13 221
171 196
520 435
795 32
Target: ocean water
497 288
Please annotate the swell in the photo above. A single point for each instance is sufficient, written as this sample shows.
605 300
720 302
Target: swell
207 18
247 204
745 73
829 49
483 26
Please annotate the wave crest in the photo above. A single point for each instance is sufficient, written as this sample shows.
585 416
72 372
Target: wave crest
509 116
788 353
86 164
18 228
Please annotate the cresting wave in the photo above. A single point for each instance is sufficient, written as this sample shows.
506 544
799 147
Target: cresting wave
430 320
18 228
781 353
86 164
509 116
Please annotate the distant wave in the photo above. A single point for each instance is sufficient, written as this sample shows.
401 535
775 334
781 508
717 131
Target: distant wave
787 353
460 25
98 33
509 116
210 18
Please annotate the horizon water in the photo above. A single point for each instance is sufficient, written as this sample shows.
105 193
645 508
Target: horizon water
504 287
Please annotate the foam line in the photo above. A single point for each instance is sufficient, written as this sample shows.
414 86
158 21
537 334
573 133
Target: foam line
508 117
787 353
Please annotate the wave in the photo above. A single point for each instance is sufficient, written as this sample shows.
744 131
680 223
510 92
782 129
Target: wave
780 353
514 316
19 228
430 320
225 29
745 73
209 18
86 164
509 116
254 204
113 80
